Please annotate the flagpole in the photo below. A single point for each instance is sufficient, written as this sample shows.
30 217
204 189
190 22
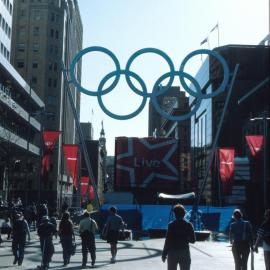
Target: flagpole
218 33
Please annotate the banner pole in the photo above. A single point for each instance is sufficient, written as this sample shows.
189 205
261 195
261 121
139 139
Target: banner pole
81 136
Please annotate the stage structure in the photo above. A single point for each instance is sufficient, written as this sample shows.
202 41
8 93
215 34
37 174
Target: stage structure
194 89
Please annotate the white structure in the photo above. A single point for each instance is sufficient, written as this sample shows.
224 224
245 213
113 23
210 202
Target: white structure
6 9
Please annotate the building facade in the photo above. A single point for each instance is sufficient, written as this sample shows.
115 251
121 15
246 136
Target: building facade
6 11
46 35
174 102
19 136
254 68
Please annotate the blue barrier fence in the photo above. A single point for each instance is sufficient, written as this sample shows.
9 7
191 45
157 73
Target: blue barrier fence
144 217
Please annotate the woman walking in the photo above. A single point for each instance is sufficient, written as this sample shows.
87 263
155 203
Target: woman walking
241 239
179 234
263 234
113 227
66 234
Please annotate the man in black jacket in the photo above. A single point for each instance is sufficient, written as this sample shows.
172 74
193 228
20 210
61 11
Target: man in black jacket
179 234
46 230
19 231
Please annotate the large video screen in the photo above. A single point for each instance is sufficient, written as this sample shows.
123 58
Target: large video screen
146 163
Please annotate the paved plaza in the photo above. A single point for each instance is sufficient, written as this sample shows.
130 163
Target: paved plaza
132 255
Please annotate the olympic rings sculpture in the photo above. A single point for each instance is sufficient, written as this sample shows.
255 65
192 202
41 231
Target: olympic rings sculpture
157 90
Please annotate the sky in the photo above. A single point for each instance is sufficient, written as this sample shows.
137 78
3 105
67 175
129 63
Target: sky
176 27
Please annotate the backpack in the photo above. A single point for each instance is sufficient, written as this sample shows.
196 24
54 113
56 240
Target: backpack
19 228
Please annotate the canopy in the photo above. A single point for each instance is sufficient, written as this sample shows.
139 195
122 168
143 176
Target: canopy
186 196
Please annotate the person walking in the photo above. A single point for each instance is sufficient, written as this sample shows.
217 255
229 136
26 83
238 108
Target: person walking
87 230
263 235
176 247
240 236
114 225
46 230
19 231
66 234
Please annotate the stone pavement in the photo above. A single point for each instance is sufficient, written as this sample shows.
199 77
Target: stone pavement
132 255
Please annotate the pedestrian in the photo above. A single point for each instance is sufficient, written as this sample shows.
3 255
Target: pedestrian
176 247
114 225
6 227
19 231
240 236
263 235
87 230
67 236
46 230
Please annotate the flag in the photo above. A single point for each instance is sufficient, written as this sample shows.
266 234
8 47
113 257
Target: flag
49 139
215 27
71 155
226 168
204 41
255 143
87 190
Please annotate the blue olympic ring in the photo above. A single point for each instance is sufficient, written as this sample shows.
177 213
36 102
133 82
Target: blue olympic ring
158 52
157 90
79 55
144 94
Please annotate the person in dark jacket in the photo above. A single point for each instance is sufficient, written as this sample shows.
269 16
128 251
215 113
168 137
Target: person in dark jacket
19 231
263 235
240 236
114 225
46 230
66 234
179 234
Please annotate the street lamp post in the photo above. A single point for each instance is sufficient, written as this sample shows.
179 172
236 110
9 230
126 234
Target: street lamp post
264 118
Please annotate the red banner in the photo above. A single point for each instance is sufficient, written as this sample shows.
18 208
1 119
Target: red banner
226 168
49 139
85 183
71 155
146 163
255 143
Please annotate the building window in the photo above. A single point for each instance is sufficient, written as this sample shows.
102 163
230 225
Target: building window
34 80
49 82
10 8
2 48
9 32
51 49
56 34
21 47
3 24
36 14
52 100
55 83
20 64
52 17
22 12
22 30
50 65
55 67
35 47
35 65
56 50
0 19
52 33
36 31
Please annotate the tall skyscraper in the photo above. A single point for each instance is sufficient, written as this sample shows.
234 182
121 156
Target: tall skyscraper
6 9
47 33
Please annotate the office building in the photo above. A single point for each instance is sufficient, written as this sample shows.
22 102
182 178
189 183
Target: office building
19 136
250 98
45 35
6 10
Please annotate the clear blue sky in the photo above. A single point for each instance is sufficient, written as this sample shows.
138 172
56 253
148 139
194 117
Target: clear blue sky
175 26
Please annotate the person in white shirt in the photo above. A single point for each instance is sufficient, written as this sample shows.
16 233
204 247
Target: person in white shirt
87 229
